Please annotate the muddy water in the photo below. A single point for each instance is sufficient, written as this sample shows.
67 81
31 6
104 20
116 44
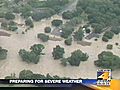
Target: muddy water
14 64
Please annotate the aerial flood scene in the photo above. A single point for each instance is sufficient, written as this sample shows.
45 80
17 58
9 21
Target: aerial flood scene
47 39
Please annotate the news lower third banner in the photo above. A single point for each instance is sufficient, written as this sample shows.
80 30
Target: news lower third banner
102 81
92 83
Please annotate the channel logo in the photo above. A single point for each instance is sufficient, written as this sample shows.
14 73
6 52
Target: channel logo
103 77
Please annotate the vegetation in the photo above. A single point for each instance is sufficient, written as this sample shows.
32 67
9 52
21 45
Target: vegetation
108 34
3 53
78 35
37 49
4 25
25 74
47 29
43 37
34 55
109 46
37 16
28 22
12 26
9 16
76 57
68 41
57 22
108 60
58 52
12 76
67 31
28 74
101 14
105 39
64 61
87 30
2 15
115 29
29 56
67 15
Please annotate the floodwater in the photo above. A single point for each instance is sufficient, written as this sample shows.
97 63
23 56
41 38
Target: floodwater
14 64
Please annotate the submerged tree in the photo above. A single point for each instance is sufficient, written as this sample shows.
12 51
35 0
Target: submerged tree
37 48
76 57
47 30
25 74
58 52
57 22
29 22
9 16
34 55
68 41
43 37
78 35
67 31
3 53
108 60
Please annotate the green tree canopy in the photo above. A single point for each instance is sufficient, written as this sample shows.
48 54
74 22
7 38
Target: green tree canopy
115 29
67 31
58 52
25 74
43 37
76 57
67 15
34 55
109 34
37 48
3 53
47 29
29 22
9 16
68 41
78 35
108 60
57 22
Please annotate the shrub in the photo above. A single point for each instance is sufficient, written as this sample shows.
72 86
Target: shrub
47 30
105 39
4 25
25 74
9 16
67 15
3 53
58 52
29 56
29 22
109 46
68 41
67 31
76 57
78 35
2 14
116 29
43 37
12 27
108 60
34 55
64 61
87 30
109 34
57 22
